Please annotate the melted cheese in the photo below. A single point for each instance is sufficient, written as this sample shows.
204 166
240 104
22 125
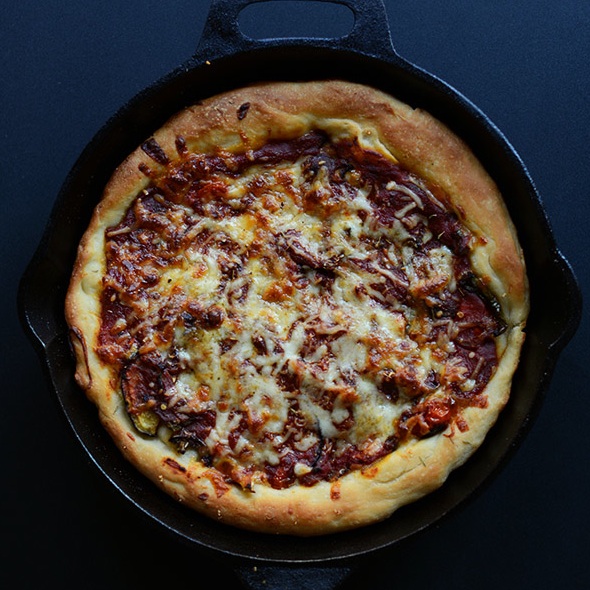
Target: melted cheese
307 298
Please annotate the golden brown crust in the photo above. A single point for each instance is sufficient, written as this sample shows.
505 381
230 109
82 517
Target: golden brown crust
383 124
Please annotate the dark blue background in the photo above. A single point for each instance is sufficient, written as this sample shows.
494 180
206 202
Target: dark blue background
68 66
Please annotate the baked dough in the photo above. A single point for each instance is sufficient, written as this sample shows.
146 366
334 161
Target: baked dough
299 306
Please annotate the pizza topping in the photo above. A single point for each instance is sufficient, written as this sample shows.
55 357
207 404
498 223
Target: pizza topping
153 149
294 312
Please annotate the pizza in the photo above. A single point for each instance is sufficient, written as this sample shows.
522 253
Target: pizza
298 306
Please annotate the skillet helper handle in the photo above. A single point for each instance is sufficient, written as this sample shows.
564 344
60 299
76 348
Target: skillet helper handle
39 295
222 36
293 578
565 300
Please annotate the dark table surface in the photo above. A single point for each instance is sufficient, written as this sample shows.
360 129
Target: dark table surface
68 66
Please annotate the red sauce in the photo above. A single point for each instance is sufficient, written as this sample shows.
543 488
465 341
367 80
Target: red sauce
148 239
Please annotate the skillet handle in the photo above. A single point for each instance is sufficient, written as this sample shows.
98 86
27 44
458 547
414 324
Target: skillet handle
564 299
269 577
40 301
222 36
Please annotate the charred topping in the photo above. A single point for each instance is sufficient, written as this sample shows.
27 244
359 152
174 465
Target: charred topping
243 110
153 149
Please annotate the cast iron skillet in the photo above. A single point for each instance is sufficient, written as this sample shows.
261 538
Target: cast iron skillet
226 59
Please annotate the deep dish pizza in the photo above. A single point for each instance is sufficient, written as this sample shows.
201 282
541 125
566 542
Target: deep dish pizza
299 306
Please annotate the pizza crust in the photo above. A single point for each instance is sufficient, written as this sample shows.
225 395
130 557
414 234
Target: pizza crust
382 124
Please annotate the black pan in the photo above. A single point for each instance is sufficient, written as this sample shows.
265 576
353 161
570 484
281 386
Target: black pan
226 59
